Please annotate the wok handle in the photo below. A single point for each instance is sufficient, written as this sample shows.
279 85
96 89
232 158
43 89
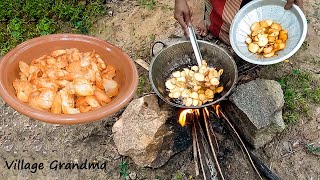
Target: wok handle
157 42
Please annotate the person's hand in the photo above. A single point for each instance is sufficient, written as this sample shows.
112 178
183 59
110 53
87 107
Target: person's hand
291 2
183 15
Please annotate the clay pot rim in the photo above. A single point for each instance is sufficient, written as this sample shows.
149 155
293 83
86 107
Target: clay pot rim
49 117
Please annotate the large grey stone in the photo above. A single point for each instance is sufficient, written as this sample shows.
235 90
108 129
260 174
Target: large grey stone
257 113
144 134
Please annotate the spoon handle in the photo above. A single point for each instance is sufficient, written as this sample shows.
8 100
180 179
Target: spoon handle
195 46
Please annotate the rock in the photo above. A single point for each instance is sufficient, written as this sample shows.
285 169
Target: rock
144 134
133 175
287 147
317 113
179 140
110 13
112 152
257 111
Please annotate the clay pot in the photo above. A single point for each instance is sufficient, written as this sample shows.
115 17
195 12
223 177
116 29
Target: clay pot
127 75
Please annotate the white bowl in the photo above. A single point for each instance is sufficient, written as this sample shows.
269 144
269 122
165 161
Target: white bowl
292 20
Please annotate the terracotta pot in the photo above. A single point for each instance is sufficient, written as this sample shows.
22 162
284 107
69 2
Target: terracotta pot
127 75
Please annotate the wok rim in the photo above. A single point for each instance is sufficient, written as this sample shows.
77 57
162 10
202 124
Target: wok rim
204 105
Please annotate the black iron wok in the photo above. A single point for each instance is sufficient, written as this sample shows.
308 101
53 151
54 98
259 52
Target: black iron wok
180 55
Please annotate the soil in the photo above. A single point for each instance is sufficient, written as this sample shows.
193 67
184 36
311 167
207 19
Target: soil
134 28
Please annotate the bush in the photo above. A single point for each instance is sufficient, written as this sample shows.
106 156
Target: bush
24 19
299 89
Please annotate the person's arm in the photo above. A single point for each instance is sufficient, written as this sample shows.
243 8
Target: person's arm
182 14
291 2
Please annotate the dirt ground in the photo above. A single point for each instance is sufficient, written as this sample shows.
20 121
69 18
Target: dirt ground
134 28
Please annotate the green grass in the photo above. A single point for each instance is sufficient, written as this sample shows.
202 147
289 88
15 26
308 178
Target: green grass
143 85
312 149
24 19
305 45
149 4
123 169
152 37
179 176
308 19
166 7
46 26
299 89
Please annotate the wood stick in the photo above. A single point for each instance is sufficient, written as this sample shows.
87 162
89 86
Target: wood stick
142 63
198 149
195 151
216 145
211 144
206 159
242 143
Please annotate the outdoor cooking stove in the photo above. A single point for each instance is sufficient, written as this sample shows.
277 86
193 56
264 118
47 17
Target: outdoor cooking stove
201 121
205 143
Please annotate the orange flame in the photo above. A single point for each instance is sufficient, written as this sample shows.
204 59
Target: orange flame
196 111
206 111
217 108
183 116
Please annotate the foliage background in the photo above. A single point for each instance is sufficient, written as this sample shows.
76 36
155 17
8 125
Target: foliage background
25 19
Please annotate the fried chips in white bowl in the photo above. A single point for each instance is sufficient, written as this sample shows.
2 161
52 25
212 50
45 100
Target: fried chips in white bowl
293 21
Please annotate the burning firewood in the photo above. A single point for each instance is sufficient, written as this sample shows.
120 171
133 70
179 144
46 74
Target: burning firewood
205 145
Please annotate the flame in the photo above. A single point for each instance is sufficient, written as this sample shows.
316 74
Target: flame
206 111
197 112
183 116
217 108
